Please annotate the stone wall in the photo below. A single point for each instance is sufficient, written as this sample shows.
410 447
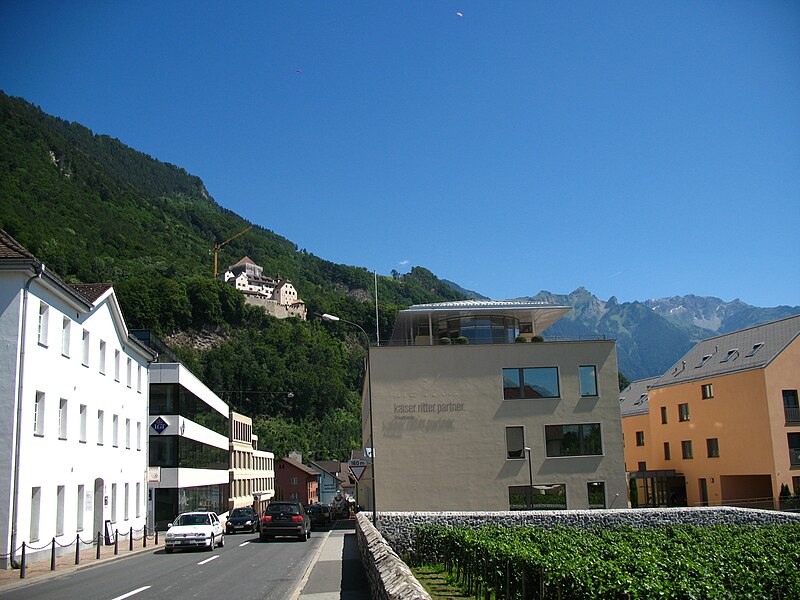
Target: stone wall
398 527
389 577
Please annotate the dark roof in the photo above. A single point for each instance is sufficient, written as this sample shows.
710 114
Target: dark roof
743 350
298 465
633 399
12 249
91 291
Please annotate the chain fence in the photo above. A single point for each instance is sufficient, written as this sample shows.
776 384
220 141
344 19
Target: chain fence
19 556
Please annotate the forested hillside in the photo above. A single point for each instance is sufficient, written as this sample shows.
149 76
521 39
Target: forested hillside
95 210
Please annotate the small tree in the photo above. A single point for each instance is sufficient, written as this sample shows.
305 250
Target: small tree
634 493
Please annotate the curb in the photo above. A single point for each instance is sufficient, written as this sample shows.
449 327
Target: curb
304 580
67 569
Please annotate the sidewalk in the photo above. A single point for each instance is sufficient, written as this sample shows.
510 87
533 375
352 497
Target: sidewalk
336 572
34 572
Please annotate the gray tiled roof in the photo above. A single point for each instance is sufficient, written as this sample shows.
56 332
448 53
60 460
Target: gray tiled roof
11 249
708 358
633 399
91 291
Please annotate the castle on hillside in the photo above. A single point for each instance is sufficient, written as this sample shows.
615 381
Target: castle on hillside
277 296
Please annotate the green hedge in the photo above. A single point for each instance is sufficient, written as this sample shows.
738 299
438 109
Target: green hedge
686 562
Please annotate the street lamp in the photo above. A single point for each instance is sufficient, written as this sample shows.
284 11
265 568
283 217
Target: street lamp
530 478
334 318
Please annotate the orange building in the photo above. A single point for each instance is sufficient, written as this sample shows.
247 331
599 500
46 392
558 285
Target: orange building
722 425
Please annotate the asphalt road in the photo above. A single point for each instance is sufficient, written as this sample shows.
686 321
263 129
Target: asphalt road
244 569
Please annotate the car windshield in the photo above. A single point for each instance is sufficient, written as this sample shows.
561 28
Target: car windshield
242 512
285 508
193 520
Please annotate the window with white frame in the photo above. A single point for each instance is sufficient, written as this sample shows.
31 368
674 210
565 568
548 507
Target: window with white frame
44 311
138 437
100 427
60 510
115 431
80 507
102 358
128 434
62 419
116 365
138 499
85 348
38 414
83 414
113 502
139 378
128 377
126 501
36 508
65 329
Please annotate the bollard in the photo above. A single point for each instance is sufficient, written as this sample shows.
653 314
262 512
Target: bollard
53 555
116 542
78 549
144 537
22 563
99 539
130 544
156 536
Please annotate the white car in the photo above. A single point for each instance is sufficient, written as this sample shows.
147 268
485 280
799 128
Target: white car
195 530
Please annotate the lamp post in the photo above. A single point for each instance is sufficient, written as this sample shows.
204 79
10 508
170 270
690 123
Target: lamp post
333 318
530 478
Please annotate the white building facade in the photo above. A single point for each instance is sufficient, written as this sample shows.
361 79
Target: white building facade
73 411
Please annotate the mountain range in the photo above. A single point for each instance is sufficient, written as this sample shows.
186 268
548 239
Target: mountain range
96 210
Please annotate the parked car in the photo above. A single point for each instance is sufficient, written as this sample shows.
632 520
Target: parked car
194 530
321 515
242 519
285 518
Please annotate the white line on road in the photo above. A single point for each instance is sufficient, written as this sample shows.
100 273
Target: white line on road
208 560
129 594
244 544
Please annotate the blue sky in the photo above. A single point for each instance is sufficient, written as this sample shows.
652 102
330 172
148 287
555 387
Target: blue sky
639 149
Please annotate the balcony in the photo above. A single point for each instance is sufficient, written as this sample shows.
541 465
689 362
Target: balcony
792 415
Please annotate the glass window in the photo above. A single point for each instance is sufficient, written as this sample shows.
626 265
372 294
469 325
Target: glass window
38 414
116 365
573 440
172 399
686 449
713 447
102 366
702 361
62 419
533 382
596 491
707 391
664 415
754 349
515 442
539 496
683 412
85 348
43 318
640 438
83 415
65 326
667 455
60 510
100 427
115 431
36 505
80 507
731 355
176 451
588 377
128 373
113 502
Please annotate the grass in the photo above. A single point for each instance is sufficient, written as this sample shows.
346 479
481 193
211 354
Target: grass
434 580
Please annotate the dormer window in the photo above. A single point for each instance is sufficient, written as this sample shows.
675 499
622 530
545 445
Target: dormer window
756 348
731 355
703 361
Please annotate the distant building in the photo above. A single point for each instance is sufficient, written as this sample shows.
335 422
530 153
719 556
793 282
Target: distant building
295 481
469 415
723 422
73 410
252 473
188 427
331 478
277 296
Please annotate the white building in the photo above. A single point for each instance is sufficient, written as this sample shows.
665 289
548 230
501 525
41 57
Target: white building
277 296
73 410
188 428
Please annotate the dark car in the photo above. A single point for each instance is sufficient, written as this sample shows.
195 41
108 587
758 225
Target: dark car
242 519
285 518
321 515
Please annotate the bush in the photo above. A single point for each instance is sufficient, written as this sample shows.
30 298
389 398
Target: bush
445 340
537 338
462 339
521 339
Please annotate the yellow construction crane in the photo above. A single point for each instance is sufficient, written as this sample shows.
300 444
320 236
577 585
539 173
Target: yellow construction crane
215 249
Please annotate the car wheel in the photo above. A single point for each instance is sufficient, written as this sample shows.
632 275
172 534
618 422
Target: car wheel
222 541
168 550
212 545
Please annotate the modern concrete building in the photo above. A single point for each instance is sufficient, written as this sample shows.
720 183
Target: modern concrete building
469 415
189 445
726 419
73 410
252 473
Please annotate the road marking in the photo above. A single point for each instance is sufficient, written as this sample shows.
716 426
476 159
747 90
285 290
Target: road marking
129 594
244 544
208 560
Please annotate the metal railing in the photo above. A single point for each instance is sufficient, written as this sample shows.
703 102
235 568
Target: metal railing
792 414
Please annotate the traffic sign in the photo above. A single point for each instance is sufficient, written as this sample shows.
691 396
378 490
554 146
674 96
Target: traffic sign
358 471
